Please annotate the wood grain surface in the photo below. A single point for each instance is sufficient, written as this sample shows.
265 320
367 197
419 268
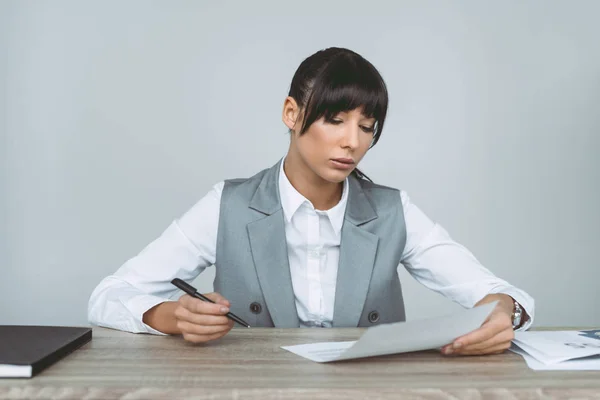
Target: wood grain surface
249 364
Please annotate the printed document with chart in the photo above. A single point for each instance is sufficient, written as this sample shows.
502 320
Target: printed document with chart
399 337
559 350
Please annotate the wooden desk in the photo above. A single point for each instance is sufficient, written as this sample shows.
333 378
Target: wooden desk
248 364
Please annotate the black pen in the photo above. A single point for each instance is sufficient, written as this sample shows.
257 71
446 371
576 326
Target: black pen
189 289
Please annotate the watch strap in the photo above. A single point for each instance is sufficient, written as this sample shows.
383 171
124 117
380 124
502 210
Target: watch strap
517 315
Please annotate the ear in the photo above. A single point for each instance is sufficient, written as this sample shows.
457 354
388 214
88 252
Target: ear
291 113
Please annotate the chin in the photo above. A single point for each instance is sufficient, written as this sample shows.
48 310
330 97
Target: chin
335 176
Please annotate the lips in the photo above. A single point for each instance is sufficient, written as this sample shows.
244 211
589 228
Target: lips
348 161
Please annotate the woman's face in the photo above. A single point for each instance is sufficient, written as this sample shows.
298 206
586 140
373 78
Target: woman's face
331 149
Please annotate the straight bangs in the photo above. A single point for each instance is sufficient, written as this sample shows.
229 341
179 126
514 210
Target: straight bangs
344 85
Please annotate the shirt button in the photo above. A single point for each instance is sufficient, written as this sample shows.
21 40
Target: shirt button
314 252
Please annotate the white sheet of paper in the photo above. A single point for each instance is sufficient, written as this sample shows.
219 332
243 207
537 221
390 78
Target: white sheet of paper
399 337
584 364
552 347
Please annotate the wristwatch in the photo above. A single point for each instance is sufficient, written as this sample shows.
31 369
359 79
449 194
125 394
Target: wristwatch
517 315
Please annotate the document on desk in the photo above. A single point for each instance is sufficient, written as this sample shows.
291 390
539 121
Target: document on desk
559 350
399 337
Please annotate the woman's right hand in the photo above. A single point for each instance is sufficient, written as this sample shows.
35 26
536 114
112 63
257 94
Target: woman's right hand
200 321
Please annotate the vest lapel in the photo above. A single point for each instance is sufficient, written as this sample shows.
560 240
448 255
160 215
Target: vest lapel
358 248
269 252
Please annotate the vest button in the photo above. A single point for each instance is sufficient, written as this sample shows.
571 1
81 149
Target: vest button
256 308
373 316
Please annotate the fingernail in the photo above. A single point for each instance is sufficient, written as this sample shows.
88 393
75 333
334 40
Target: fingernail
448 351
457 345
224 309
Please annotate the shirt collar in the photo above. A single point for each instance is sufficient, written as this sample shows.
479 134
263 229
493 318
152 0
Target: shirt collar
291 200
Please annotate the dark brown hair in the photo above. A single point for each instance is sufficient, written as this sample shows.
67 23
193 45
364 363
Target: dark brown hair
336 80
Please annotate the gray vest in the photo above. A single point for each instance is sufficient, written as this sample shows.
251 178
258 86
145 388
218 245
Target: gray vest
252 267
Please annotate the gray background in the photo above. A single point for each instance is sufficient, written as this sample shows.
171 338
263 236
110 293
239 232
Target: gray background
120 115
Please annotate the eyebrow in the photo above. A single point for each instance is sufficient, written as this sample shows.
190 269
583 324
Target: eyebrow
363 115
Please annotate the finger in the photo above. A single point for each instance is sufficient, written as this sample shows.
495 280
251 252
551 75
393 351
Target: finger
190 337
198 306
187 327
505 336
498 349
488 330
183 314
218 298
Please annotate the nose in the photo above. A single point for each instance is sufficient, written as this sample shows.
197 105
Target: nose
350 139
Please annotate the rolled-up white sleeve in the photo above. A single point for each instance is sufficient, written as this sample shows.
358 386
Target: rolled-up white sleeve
183 250
447 267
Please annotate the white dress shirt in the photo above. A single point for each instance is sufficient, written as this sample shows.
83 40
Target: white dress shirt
188 246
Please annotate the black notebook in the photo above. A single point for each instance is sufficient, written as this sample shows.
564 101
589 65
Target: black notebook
27 350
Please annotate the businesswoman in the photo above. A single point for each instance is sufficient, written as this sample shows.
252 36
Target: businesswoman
309 241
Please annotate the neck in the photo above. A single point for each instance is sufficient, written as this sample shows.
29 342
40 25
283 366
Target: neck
321 193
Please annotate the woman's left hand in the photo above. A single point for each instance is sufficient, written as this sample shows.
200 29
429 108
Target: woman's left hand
493 337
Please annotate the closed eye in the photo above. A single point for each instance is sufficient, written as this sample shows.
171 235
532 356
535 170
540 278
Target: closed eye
367 129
